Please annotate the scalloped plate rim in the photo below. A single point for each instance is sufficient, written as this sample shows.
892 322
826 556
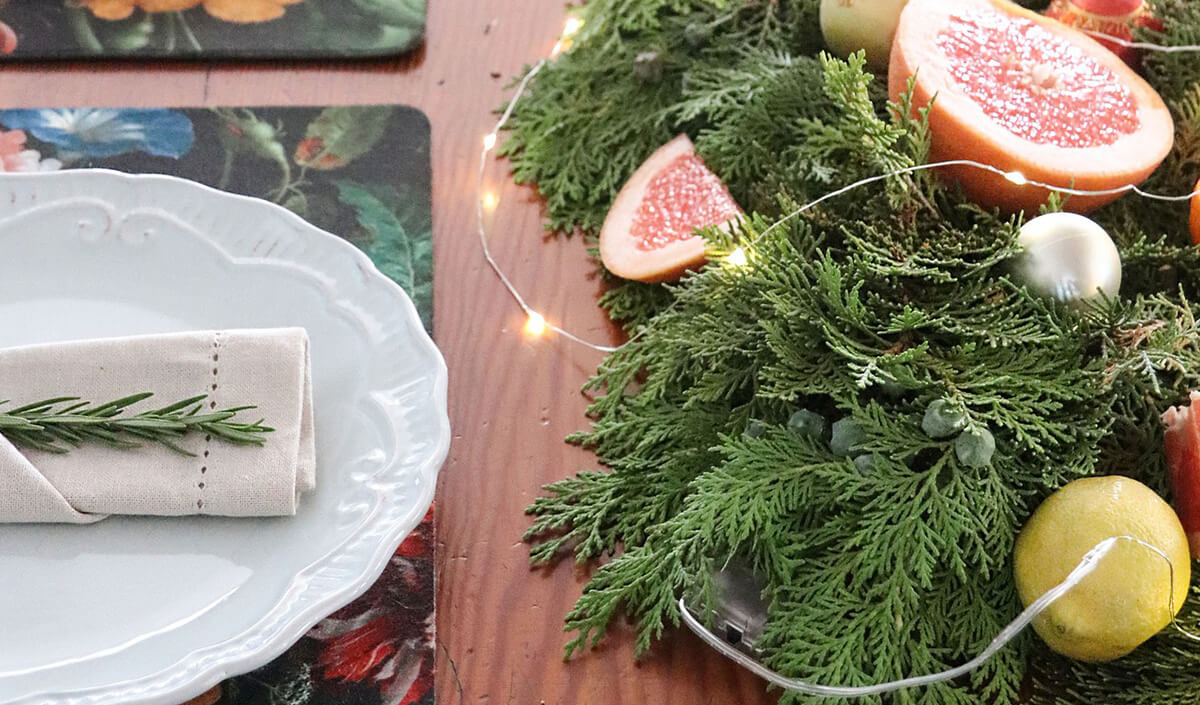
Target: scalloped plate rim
164 687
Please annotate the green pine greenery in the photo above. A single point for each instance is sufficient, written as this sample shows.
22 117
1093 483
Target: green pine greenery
868 308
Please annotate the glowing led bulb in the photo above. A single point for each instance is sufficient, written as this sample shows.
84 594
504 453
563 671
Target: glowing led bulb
536 325
1016 177
489 141
737 258
490 201
570 29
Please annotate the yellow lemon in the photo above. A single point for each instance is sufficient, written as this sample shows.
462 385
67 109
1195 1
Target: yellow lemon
1129 597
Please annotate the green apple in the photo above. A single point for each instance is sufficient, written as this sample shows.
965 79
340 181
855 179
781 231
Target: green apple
850 25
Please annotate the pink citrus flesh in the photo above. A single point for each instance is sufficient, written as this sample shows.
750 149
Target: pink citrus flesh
684 196
1024 93
649 233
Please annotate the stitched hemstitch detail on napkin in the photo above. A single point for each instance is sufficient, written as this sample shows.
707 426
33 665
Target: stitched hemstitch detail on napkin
212 405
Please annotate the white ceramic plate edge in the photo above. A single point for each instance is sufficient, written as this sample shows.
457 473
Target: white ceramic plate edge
275 633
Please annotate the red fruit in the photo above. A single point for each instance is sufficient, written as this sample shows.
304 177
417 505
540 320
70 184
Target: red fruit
1109 7
1182 446
8 39
1114 18
1194 214
1024 93
648 234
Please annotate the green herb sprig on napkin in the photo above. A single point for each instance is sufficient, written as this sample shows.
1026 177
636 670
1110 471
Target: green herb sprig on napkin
57 425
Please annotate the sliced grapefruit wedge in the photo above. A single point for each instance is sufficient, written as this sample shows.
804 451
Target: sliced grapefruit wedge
649 233
1181 443
1026 94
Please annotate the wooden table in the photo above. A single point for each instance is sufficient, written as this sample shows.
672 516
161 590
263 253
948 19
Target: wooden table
511 400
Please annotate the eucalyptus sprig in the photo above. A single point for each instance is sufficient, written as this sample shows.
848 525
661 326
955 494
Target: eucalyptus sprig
59 424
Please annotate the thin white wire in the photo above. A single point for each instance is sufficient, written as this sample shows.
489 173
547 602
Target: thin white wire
493 136
1161 48
489 145
1085 566
1131 188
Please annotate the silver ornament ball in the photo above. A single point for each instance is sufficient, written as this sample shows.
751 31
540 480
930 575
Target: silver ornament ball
1069 257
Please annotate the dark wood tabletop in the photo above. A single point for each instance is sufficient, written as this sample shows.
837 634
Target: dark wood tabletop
512 400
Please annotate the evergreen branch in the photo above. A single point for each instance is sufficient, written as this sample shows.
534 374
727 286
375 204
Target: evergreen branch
56 425
895 561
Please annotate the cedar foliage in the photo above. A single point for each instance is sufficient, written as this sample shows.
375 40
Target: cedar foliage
868 307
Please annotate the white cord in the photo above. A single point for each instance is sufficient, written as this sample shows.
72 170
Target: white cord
1160 48
1085 566
489 143
537 322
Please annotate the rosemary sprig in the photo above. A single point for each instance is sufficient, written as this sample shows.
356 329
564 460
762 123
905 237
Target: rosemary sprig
56 425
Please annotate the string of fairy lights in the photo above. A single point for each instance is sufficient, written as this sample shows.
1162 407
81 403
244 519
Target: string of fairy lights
536 324
1087 564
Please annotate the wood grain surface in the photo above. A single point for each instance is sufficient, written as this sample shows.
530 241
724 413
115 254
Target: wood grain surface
512 400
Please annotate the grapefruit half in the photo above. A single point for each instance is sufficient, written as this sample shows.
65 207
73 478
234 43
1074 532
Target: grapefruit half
649 233
1027 94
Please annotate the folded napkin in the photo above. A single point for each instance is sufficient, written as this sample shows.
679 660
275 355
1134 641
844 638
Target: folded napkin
266 368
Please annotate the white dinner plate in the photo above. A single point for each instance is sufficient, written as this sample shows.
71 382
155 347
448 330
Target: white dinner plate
148 611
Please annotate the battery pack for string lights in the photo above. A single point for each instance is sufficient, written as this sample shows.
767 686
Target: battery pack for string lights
735 607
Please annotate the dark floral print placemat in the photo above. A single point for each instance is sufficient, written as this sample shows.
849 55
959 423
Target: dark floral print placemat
363 173
379 650
203 29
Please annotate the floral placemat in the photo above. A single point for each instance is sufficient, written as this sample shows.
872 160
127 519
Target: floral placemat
362 172
203 29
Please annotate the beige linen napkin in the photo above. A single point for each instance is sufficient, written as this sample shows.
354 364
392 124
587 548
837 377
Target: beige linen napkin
267 368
